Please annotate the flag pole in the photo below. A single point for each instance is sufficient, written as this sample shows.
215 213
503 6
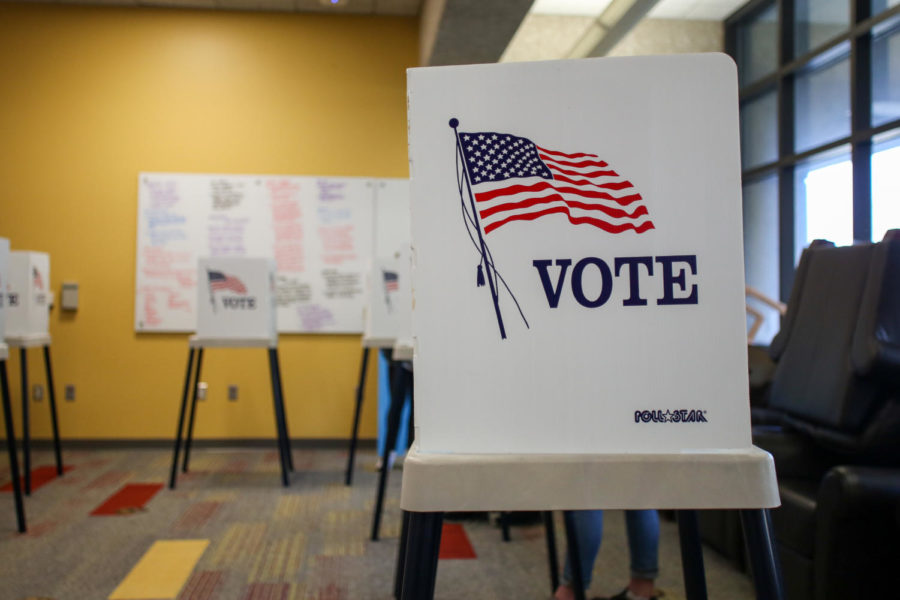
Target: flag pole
454 123
212 299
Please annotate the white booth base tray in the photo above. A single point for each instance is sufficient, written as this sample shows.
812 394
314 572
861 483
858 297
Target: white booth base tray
690 480
30 340
223 342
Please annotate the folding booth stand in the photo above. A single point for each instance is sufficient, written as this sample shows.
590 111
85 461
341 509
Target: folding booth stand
11 441
236 309
401 383
27 324
434 484
196 346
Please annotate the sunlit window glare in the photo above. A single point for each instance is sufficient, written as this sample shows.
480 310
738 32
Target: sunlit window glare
828 192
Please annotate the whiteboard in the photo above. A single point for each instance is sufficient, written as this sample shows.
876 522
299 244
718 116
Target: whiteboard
319 231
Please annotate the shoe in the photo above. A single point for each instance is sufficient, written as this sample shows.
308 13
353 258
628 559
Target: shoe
626 595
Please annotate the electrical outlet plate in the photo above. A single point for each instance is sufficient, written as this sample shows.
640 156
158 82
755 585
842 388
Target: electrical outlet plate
37 392
232 393
201 390
70 393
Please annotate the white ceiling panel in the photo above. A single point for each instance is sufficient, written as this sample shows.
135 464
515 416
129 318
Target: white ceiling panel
701 10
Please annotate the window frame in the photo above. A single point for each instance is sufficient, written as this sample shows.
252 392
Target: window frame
859 36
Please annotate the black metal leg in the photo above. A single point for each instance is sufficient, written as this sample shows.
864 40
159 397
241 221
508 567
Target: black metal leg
691 555
184 397
757 524
504 526
26 425
354 434
398 395
574 555
189 438
401 554
286 436
51 393
279 432
552 559
11 448
422 548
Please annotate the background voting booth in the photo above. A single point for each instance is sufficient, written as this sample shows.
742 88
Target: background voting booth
387 314
235 309
577 263
27 326
4 388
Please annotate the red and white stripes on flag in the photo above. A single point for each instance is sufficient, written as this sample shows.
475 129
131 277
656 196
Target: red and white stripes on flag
513 179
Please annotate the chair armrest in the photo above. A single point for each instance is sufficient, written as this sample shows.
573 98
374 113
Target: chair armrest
795 456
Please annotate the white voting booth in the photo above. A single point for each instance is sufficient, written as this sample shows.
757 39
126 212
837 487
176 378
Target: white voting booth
28 299
579 293
4 381
387 314
235 309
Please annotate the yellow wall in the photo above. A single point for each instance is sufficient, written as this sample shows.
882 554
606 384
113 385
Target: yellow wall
92 96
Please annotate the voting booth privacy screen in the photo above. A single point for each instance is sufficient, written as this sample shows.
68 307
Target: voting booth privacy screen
577 257
389 313
236 299
28 294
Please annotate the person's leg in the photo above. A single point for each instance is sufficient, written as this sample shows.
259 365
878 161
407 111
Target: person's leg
589 525
643 546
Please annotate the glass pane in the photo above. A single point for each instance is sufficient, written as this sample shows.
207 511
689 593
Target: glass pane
759 130
757 46
822 104
761 252
823 188
817 21
886 77
879 6
885 187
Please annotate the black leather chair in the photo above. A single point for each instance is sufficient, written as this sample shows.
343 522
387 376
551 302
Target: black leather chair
833 425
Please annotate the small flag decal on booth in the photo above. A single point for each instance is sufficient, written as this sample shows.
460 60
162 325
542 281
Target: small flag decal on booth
36 280
220 281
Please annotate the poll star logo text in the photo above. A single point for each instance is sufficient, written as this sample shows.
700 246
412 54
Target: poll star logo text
670 416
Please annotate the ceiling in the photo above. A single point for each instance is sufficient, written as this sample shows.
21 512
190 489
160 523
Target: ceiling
475 31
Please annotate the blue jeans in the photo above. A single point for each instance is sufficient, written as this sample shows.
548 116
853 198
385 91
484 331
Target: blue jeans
643 542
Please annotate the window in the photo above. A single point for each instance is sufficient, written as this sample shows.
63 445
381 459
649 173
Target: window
820 127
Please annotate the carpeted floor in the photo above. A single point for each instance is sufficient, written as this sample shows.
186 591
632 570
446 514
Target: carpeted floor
309 541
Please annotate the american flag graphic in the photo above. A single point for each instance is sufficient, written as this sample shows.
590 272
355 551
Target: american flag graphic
514 179
36 279
390 281
220 281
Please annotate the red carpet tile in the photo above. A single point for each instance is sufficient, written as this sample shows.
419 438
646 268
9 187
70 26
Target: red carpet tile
129 499
39 477
455 542
267 591
203 585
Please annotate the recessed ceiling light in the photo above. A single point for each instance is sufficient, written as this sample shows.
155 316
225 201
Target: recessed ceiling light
334 2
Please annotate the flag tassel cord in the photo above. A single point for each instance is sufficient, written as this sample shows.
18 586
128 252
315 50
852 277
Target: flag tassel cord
484 259
487 261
